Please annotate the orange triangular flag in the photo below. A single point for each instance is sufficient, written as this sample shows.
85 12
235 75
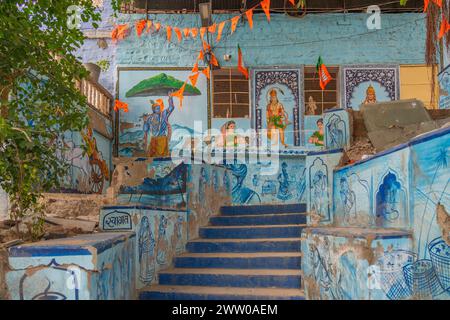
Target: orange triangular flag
212 28
265 5
186 32
425 5
178 33
206 46
292 2
194 78
195 68
242 69
194 32
445 27
249 14
140 25
214 61
149 26
219 31
200 55
234 22
119 32
157 26
120 105
206 72
202 32
169 32
179 94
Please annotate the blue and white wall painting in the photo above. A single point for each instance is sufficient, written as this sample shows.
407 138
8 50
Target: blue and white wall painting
314 132
159 183
444 88
374 193
278 104
90 166
319 185
356 264
266 182
160 234
367 84
87 267
336 124
138 87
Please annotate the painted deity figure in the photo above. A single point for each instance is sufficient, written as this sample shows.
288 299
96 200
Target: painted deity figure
93 153
158 127
319 185
146 247
311 106
317 137
336 136
228 137
371 96
277 119
163 243
348 199
284 192
240 193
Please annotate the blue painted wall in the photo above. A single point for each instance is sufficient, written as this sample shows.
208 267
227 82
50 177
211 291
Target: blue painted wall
340 39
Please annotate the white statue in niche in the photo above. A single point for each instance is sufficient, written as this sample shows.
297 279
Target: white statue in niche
311 106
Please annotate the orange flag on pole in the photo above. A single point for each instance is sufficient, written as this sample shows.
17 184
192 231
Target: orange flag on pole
195 68
219 31
202 32
206 72
120 105
212 28
265 5
119 32
445 27
186 32
242 69
140 26
324 75
249 14
179 94
194 78
194 32
169 32
234 22
214 61
157 26
149 26
178 33
292 2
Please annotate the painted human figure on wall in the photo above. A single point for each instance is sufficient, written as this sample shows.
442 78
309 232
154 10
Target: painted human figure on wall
228 138
317 136
371 96
240 193
335 134
389 199
277 119
348 199
311 106
319 189
146 243
284 192
163 242
178 231
158 127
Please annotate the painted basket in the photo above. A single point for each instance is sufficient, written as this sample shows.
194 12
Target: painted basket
422 279
392 279
440 258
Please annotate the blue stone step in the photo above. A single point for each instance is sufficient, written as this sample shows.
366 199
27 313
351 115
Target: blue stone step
246 278
161 292
260 219
259 260
245 245
263 209
251 232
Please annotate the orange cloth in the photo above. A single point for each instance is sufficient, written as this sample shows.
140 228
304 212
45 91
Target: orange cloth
149 26
206 72
157 26
194 32
292 2
140 26
179 94
169 32
249 14
178 33
234 22
219 32
120 105
194 78
119 32
212 28
445 27
200 55
214 61
195 68
265 5
202 32
186 32
160 103
159 147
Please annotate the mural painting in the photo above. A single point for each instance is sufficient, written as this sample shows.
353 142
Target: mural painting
444 88
369 84
160 234
154 125
314 132
277 101
337 129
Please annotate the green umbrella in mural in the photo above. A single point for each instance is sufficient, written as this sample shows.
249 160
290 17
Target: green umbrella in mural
160 85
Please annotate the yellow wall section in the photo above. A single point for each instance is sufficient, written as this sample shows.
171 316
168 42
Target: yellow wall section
415 82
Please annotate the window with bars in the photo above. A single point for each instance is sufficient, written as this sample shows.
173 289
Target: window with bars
230 94
316 99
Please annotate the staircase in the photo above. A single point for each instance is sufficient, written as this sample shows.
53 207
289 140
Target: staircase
247 252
